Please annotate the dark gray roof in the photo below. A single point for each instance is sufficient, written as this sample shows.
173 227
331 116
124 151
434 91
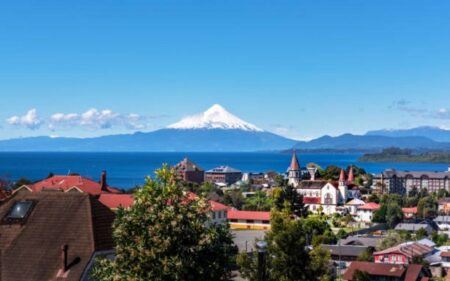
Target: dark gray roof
223 169
415 174
307 184
445 219
345 250
361 241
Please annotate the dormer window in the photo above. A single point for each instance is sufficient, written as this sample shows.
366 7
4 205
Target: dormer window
19 212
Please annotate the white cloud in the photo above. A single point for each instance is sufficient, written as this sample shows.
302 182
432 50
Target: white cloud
95 119
30 120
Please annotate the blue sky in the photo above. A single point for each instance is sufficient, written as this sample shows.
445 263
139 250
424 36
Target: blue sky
299 68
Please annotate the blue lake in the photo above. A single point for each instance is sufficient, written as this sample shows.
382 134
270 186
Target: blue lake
126 170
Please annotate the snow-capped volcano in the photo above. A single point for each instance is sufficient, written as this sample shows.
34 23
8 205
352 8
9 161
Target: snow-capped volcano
216 117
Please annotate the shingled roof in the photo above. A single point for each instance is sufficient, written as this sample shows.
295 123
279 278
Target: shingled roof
400 272
31 250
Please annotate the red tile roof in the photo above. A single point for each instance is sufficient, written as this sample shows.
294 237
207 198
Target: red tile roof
445 254
247 215
216 206
114 201
375 269
65 183
370 206
311 200
407 249
410 210
408 273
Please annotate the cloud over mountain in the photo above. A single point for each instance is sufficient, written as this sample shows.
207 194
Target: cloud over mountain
30 120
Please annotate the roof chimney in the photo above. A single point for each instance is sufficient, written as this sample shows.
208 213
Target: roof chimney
64 250
103 183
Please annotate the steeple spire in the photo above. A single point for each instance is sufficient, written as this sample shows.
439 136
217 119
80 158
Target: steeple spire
342 176
350 175
295 166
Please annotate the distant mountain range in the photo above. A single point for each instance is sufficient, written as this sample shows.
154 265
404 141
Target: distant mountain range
366 143
218 130
213 130
434 133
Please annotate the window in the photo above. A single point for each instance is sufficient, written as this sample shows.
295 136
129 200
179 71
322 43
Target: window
19 212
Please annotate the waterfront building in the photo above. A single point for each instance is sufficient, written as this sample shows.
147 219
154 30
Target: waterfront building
401 182
223 174
188 171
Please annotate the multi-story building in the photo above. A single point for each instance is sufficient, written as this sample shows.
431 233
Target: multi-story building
403 253
393 181
223 174
190 172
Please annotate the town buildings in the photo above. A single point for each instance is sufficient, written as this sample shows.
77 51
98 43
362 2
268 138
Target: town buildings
223 174
188 171
402 182
52 235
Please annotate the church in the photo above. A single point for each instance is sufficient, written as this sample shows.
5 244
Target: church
323 196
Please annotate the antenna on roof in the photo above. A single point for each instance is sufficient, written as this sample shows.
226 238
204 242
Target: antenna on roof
68 172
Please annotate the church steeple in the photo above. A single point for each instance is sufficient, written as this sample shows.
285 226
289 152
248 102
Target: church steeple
342 177
350 176
294 171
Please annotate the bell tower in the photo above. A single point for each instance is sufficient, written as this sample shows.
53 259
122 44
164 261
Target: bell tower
294 171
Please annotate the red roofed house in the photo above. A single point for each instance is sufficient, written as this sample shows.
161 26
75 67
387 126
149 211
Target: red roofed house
71 183
114 201
248 219
409 213
379 271
366 211
218 211
403 253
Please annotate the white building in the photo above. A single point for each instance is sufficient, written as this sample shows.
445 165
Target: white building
366 211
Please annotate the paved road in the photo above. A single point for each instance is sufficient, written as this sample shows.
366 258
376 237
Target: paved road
245 239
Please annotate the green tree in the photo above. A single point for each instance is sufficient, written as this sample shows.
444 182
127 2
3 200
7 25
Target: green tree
374 198
164 236
288 256
393 238
359 275
421 233
234 198
427 207
289 197
367 255
258 202
22 181
394 214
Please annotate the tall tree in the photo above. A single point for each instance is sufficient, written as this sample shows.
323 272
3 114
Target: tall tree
289 258
289 197
164 236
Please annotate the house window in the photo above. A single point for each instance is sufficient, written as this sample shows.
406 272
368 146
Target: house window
250 221
19 212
